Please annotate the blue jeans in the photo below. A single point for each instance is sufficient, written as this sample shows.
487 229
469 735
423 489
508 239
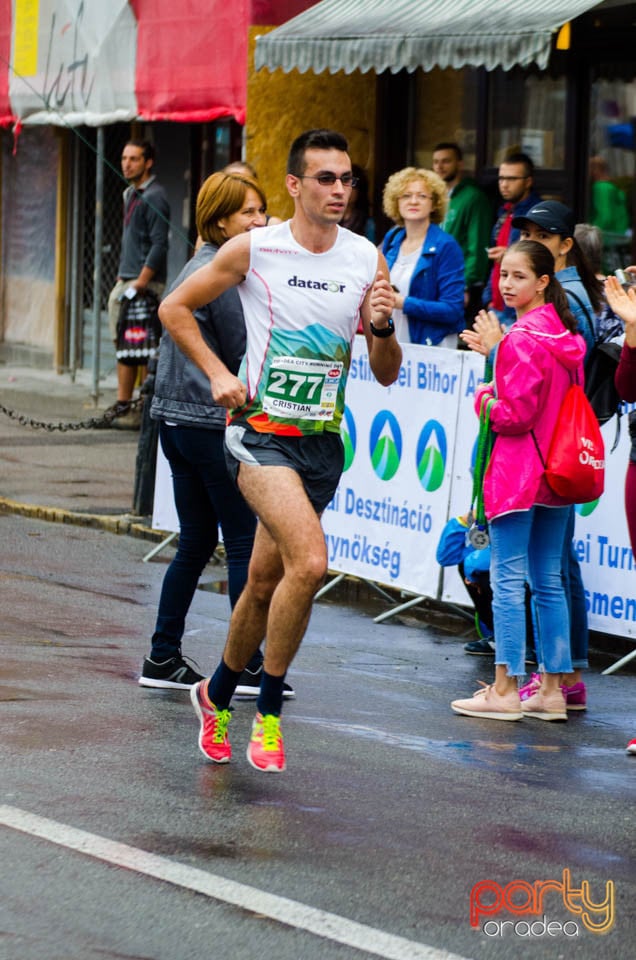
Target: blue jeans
575 593
205 496
527 546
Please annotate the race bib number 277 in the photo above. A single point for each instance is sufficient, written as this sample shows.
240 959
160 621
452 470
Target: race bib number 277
300 388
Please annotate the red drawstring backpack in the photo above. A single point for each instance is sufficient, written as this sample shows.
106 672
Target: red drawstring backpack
575 465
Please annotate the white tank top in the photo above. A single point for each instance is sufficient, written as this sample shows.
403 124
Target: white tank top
301 313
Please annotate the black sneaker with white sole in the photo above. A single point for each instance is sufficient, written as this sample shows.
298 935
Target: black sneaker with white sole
484 647
173 674
250 683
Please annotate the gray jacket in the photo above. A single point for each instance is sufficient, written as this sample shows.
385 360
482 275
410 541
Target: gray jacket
144 238
182 391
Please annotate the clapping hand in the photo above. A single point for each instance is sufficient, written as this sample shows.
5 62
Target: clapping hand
487 333
623 303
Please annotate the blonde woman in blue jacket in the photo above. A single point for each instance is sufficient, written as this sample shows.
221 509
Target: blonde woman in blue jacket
426 264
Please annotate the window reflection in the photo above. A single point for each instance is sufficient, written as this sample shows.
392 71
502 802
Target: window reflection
526 112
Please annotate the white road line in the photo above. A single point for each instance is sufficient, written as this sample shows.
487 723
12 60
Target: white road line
330 926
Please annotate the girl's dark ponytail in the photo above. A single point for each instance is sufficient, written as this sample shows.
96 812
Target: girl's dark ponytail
556 295
593 286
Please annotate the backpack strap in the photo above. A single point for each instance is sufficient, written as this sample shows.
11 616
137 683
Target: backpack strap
536 443
570 293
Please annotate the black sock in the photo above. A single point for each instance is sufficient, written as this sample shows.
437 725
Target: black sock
270 697
222 685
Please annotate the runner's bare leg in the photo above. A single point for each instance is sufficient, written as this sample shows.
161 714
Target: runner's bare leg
288 566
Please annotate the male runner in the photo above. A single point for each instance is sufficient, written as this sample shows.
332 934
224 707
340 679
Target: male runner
304 284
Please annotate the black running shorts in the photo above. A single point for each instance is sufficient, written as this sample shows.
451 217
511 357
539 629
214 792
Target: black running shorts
318 460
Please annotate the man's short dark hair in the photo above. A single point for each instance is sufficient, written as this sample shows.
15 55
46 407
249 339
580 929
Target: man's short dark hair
146 147
450 145
313 140
521 158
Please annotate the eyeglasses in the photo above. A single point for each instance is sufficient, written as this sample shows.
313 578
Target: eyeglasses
328 179
415 196
510 179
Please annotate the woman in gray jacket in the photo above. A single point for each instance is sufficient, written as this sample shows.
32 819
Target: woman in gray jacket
191 432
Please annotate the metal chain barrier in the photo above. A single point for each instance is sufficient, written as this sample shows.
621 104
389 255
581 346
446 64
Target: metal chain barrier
103 422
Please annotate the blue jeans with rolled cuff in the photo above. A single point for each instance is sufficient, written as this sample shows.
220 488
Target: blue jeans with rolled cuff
575 593
527 546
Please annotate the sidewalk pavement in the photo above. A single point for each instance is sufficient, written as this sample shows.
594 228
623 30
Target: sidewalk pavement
87 477
84 476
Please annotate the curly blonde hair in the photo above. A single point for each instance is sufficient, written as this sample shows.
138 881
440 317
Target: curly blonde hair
398 183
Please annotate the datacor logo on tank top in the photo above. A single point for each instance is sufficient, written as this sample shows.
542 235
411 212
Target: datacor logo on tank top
326 286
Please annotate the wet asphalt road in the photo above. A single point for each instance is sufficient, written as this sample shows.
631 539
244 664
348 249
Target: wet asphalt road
391 810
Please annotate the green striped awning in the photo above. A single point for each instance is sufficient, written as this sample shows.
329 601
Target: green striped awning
408 34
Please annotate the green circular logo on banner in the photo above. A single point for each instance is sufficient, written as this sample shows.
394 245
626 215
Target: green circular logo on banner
585 509
348 436
385 445
431 455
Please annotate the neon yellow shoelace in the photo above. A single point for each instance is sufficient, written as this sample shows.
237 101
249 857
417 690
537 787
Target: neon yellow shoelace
222 721
271 732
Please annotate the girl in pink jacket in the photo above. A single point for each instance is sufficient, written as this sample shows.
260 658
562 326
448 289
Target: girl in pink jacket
534 364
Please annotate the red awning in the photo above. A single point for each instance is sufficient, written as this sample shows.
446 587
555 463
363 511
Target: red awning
6 114
191 59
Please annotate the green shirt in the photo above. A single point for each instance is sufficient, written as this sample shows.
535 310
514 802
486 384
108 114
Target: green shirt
469 220
609 207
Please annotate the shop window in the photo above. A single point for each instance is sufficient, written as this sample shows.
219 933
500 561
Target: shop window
612 167
526 112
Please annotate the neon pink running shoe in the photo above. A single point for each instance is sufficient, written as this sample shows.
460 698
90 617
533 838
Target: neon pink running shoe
531 687
213 738
575 696
266 750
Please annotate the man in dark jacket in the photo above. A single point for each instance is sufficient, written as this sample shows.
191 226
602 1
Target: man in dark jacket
144 255
516 186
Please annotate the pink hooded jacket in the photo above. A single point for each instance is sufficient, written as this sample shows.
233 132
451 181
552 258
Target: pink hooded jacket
535 364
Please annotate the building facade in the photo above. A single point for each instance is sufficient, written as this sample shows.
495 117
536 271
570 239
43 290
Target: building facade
218 100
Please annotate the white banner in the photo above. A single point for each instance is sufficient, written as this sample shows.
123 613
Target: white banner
402 462
409 451
602 545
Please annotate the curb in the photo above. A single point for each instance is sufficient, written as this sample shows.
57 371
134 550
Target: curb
122 524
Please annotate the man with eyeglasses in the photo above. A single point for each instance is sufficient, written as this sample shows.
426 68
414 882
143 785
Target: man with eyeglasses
516 186
304 285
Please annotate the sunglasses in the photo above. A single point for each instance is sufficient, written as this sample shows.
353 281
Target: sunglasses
328 179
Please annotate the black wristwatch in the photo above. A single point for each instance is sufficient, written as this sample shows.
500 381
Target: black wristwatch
384 331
